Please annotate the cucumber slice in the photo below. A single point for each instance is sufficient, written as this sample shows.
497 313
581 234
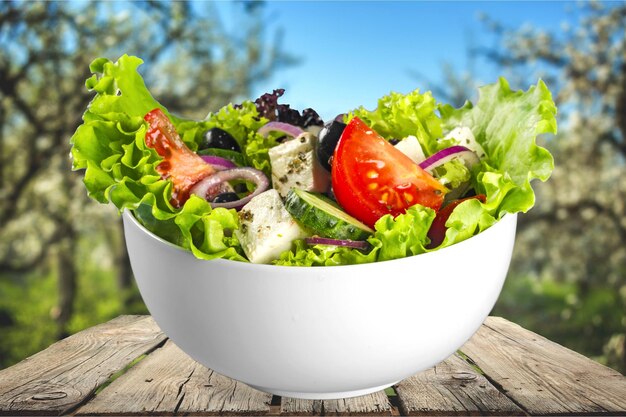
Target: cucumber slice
324 216
234 156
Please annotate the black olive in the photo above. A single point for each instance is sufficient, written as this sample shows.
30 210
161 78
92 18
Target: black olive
218 138
240 188
327 141
225 197
394 141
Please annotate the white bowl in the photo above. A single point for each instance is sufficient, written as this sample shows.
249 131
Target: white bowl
322 332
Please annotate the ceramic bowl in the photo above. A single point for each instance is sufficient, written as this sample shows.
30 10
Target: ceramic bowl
321 332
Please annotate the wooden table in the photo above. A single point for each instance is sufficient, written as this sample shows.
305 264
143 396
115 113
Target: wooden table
128 367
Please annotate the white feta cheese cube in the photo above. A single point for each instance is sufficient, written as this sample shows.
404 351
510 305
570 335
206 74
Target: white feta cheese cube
266 229
295 165
464 137
411 147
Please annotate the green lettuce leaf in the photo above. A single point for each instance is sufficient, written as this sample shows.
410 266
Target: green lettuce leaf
120 168
405 235
468 219
453 173
323 255
506 123
400 115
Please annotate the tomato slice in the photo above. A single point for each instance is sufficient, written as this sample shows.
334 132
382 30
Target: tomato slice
372 178
180 165
438 228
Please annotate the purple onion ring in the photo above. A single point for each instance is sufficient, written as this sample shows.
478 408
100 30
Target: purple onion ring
202 187
448 154
347 243
285 128
218 162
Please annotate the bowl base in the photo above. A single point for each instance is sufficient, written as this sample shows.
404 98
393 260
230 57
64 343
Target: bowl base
323 395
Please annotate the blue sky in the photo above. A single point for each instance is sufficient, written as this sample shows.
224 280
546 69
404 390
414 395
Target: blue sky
354 52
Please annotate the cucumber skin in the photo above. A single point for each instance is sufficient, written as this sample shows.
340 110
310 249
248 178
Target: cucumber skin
321 222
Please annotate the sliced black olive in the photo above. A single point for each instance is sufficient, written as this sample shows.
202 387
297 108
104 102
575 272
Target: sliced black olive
394 141
218 138
327 141
225 197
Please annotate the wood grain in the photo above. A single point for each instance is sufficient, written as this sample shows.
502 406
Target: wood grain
542 376
56 380
452 387
371 404
167 382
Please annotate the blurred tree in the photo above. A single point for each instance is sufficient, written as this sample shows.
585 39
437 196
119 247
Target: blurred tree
571 248
194 64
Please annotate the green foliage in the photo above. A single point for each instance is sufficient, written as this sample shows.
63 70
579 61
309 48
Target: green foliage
28 302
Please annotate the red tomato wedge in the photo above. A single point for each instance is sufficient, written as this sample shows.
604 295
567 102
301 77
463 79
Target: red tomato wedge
438 228
372 178
180 165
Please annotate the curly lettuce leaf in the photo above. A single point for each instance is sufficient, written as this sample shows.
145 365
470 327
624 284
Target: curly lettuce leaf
120 168
401 115
205 230
468 219
453 173
506 124
323 255
406 235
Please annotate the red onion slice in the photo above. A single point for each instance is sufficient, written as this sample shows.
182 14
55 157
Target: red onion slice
356 244
448 154
286 128
249 174
218 162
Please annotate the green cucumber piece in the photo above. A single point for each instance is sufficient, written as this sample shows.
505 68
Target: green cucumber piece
324 216
234 156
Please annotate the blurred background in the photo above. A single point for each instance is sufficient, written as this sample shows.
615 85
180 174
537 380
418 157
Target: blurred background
63 263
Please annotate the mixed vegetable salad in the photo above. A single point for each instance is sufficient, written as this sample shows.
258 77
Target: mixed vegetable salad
265 183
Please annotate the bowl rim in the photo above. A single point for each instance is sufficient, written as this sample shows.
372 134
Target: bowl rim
127 213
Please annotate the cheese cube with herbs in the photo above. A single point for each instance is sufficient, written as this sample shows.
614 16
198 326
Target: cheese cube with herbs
295 165
411 147
266 229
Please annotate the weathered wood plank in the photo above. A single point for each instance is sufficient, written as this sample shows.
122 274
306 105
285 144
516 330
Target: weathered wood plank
544 377
167 382
452 387
56 380
371 404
